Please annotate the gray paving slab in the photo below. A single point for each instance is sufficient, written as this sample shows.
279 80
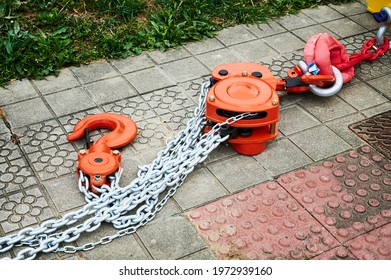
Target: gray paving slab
366 20
149 79
200 187
239 172
350 8
173 238
27 112
383 84
377 109
282 156
344 27
322 14
201 255
235 35
319 142
95 71
17 91
204 46
9 151
110 90
307 32
168 55
64 80
294 119
285 42
133 63
185 69
292 22
253 51
214 58
267 29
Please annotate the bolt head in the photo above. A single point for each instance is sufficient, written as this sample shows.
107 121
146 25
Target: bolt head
275 102
82 152
211 98
116 152
244 73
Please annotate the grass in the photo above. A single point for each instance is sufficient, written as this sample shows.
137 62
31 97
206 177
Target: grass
38 37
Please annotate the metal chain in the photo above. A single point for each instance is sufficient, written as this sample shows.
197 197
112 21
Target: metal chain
134 205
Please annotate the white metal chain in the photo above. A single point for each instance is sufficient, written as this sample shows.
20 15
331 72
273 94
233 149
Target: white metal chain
132 206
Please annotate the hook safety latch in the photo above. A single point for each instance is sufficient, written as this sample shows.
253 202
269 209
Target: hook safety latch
101 159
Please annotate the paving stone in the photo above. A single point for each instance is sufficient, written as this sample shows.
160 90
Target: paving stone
202 255
285 42
193 88
207 189
375 245
322 13
237 173
64 80
260 223
262 30
95 71
109 90
149 79
170 239
54 162
319 142
168 55
178 120
350 28
133 63
27 112
9 151
383 84
340 127
377 109
235 35
292 22
204 46
15 174
70 101
307 32
326 109
347 194
279 66
253 51
366 20
287 99
361 96
22 209
123 248
185 69
349 9
64 193
214 58
368 70
282 156
224 150
42 135
338 253
17 91
294 119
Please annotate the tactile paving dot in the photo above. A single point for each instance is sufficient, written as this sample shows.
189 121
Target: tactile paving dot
338 253
348 194
263 222
375 245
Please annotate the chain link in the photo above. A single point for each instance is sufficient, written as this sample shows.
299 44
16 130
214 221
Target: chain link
132 206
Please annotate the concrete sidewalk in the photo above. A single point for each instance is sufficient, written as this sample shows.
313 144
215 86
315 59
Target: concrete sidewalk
317 192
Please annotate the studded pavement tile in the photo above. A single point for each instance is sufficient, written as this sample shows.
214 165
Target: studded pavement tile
338 253
375 245
263 222
348 194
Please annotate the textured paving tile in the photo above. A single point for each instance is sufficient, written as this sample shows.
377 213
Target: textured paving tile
294 119
253 51
133 63
109 90
149 79
23 208
285 42
340 127
338 253
25 112
260 223
95 71
65 80
350 28
17 91
63 103
204 46
361 96
262 30
375 245
282 156
319 142
348 194
200 187
291 22
322 14
169 239
238 172
168 55
214 58
9 151
185 69
235 35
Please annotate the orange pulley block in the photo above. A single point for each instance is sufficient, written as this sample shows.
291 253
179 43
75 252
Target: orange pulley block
99 161
240 88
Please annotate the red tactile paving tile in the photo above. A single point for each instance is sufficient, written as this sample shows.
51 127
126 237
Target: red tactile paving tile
349 195
339 253
264 222
375 245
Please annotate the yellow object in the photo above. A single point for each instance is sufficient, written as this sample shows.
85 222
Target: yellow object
376 5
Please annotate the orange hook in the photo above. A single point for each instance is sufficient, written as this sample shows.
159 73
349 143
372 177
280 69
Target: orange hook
100 161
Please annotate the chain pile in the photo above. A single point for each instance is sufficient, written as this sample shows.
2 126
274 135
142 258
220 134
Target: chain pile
134 205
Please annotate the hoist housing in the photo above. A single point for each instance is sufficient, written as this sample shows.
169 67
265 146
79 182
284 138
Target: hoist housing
240 88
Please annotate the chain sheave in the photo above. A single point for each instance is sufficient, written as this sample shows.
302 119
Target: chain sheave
132 206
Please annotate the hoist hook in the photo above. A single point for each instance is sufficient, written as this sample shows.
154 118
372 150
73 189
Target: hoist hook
98 162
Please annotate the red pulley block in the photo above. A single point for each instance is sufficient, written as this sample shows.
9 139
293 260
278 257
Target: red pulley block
240 88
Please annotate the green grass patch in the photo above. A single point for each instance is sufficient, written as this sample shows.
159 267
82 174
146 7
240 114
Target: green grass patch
38 37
